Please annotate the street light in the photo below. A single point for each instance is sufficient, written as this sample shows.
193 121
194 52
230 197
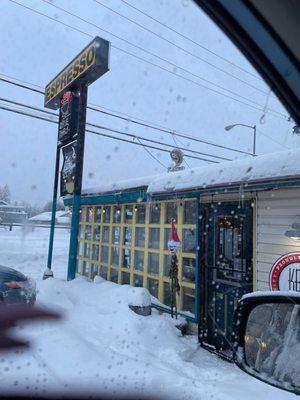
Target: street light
229 127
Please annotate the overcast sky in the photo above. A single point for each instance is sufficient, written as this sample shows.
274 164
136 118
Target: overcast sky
35 49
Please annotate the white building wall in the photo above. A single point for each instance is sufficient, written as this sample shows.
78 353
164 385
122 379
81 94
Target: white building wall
276 211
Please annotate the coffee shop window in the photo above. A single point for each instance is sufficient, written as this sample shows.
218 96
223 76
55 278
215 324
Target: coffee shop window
189 212
116 232
167 294
115 256
155 213
88 232
138 280
95 252
103 271
98 213
89 214
140 213
166 238
140 237
87 250
139 260
126 258
188 269
114 274
153 263
125 278
188 299
106 214
96 234
188 240
104 254
167 264
105 234
127 236
154 236
117 215
152 285
82 214
128 214
171 212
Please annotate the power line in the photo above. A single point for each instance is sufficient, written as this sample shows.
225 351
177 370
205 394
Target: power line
133 136
22 86
163 59
95 132
147 124
275 141
258 106
177 46
191 40
151 155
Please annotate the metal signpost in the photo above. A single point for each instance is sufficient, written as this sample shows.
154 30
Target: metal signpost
68 91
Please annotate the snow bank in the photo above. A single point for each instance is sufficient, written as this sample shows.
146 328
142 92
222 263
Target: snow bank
61 216
101 346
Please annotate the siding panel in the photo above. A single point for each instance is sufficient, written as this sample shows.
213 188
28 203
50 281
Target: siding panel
276 211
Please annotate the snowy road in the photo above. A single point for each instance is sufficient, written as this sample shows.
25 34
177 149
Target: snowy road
103 347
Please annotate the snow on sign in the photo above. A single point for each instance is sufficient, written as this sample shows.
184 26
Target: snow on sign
285 273
85 68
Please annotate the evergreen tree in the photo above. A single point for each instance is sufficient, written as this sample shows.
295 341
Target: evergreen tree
5 193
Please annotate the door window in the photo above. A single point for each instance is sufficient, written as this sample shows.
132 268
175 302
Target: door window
230 261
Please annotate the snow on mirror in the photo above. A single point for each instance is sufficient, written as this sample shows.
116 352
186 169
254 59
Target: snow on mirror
272 344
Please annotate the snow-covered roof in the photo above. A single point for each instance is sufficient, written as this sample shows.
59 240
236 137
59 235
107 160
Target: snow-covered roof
46 216
120 186
268 167
274 166
4 205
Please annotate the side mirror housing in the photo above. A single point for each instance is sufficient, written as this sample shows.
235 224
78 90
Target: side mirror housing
266 337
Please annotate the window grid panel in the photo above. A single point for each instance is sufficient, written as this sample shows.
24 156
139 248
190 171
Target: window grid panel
90 265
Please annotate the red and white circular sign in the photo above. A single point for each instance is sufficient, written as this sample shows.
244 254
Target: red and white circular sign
285 273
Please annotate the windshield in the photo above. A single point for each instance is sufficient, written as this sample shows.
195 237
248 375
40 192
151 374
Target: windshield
149 179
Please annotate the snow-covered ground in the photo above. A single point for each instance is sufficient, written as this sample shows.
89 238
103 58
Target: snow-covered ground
101 346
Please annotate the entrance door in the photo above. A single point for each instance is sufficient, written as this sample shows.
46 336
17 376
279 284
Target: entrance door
227 269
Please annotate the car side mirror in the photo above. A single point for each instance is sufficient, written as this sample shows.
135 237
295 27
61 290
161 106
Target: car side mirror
266 336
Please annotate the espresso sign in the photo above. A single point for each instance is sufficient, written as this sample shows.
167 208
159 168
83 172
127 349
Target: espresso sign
85 68
285 273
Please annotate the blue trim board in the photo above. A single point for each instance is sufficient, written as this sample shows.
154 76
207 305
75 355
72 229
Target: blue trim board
114 198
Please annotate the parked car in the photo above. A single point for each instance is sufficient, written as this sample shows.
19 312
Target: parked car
16 288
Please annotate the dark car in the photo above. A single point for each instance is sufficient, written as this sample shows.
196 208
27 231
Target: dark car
16 288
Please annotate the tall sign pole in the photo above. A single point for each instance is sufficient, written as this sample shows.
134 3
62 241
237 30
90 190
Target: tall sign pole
82 93
68 92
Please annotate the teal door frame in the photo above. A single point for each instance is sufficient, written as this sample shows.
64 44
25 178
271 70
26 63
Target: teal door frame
221 281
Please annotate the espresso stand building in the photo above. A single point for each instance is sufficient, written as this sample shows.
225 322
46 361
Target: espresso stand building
233 220
238 221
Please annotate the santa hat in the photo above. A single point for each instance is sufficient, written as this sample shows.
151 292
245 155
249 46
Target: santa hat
174 241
